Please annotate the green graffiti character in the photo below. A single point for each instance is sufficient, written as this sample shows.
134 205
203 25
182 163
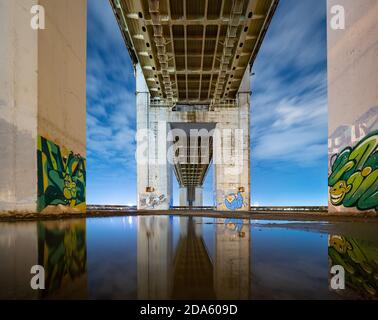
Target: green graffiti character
353 181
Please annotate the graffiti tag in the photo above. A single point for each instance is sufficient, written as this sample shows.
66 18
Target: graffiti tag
353 180
152 200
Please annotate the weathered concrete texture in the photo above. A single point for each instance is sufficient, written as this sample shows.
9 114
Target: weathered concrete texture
153 170
42 93
18 107
62 74
353 105
232 178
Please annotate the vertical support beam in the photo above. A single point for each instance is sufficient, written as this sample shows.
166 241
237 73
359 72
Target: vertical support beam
142 119
154 172
353 105
42 107
198 198
62 107
183 197
18 107
232 154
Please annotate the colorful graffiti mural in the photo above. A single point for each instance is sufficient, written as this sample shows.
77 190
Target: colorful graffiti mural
360 262
61 177
152 200
232 201
353 180
62 252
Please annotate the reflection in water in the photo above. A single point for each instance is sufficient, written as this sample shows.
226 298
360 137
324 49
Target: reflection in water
62 252
360 262
18 252
231 276
167 257
193 270
154 257
59 247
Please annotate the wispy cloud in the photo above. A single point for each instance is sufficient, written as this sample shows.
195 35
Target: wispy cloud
289 117
289 110
110 109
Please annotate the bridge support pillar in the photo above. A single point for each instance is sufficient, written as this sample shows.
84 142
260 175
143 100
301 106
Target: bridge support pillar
198 198
42 106
353 107
154 172
232 153
183 197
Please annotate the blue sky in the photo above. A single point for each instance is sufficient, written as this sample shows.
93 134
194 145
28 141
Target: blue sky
288 110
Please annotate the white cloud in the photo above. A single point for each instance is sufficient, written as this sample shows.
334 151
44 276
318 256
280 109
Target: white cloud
110 93
289 101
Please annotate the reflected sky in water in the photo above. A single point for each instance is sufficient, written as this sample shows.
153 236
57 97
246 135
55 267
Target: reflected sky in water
170 257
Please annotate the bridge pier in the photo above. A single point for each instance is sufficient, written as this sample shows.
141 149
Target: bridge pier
198 199
353 106
183 197
165 133
154 172
42 106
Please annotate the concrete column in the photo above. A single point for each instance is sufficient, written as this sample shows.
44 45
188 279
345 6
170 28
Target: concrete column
198 199
353 107
154 172
232 153
42 107
18 107
142 125
183 197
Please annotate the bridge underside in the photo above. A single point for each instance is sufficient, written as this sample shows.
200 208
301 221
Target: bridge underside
193 52
192 63
194 155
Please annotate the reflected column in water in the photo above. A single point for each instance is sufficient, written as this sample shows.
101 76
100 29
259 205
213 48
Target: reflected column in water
62 252
18 253
360 262
154 257
232 259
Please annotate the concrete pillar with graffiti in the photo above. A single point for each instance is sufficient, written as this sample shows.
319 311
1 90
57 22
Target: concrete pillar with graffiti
353 105
43 106
232 153
154 171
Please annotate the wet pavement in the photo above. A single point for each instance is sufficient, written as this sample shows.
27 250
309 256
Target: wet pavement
178 257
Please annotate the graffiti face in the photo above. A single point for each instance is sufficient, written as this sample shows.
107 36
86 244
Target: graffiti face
61 177
359 259
338 192
353 180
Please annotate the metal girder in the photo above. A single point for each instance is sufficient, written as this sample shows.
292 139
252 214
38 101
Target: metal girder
176 41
